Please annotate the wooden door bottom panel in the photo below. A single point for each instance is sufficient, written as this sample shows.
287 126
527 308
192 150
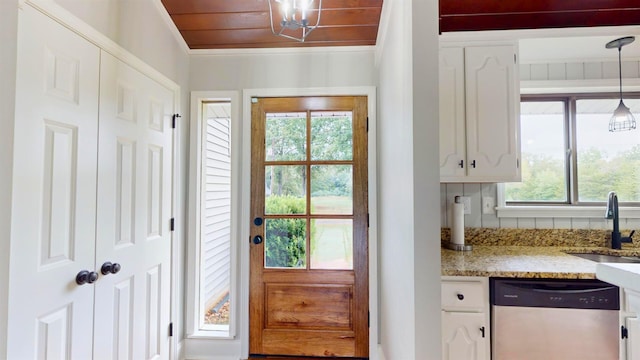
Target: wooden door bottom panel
262 357
309 343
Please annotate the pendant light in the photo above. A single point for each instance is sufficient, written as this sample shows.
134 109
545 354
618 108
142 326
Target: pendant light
622 118
295 23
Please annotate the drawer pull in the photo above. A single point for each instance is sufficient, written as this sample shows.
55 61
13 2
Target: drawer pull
460 297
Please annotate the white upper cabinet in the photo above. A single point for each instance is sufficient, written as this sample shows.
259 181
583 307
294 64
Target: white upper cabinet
479 114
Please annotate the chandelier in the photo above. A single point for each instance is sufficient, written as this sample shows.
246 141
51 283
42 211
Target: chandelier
295 18
622 118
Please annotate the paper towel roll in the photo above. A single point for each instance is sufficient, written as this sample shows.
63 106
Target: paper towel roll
457 223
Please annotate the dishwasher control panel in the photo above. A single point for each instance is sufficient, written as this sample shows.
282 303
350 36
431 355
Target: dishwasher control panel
574 293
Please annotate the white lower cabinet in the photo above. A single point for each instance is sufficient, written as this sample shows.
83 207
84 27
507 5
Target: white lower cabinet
465 318
632 340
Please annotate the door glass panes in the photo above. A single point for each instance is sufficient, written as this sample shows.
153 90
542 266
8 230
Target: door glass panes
606 161
285 243
285 189
332 244
331 135
331 189
543 153
285 137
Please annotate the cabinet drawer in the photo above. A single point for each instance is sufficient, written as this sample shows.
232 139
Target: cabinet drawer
464 296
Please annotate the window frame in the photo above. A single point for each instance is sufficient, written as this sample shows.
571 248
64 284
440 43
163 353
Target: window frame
572 207
193 266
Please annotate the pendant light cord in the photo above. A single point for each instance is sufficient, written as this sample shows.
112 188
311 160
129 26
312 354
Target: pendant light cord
620 69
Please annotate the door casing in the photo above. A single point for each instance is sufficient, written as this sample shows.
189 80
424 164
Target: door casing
245 219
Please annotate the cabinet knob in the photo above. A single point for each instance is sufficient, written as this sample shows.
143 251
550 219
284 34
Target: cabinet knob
460 297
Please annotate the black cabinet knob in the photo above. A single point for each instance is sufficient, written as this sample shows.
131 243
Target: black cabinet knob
93 277
86 277
257 239
460 297
110 268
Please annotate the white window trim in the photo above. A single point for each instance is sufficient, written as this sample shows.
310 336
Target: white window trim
564 211
557 211
193 302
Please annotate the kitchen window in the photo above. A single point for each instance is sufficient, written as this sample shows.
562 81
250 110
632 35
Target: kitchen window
569 157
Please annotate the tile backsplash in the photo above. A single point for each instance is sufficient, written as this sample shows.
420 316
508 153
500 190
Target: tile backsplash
479 220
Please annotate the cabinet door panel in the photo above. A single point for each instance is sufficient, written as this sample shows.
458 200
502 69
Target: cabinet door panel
452 122
491 113
53 214
633 340
462 337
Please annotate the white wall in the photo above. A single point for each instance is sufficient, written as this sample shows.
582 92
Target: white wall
408 187
8 39
283 69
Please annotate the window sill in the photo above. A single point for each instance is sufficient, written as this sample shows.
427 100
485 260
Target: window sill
566 211
210 335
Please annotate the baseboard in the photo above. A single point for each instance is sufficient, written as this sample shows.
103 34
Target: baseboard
381 353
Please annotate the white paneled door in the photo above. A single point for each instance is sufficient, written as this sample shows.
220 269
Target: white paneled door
134 206
54 192
92 185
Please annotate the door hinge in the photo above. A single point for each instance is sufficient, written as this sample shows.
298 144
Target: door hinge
368 319
172 224
624 332
515 58
174 118
517 163
367 124
170 329
367 219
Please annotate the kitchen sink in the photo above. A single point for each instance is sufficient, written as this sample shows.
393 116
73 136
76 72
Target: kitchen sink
603 258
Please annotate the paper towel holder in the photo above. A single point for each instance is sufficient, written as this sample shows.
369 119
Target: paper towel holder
455 246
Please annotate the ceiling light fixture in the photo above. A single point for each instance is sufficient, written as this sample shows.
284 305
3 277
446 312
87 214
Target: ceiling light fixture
295 18
622 118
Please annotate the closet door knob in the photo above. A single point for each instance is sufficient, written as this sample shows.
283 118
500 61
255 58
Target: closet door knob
110 268
86 277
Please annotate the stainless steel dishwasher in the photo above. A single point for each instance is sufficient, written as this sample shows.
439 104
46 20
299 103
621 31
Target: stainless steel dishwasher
536 319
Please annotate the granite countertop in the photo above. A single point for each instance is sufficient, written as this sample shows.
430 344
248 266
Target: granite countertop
505 254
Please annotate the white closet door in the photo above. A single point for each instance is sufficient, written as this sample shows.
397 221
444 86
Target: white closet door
134 210
54 192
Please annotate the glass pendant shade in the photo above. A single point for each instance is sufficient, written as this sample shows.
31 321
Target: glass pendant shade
622 119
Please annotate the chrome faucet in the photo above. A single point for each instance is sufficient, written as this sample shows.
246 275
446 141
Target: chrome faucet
613 214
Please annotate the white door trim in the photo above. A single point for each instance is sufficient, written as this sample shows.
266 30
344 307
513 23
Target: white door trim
247 94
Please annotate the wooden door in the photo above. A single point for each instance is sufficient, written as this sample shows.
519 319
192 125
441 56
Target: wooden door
309 264
133 218
54 192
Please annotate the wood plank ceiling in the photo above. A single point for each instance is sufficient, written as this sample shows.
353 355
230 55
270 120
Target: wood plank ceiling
474 15
225 24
